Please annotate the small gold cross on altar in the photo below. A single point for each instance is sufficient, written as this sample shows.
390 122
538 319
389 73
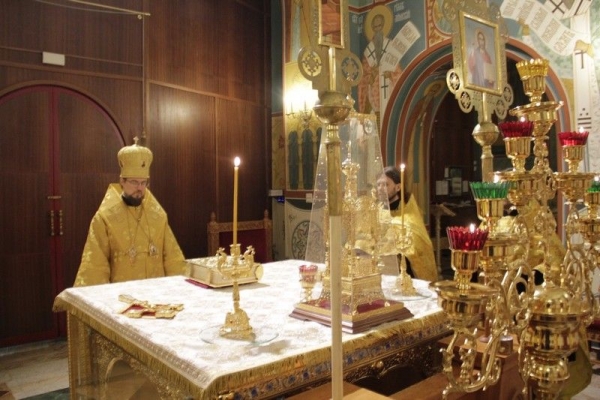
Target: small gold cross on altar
142 308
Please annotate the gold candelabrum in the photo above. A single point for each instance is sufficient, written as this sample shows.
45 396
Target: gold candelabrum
559 306
547 320
543 115
233 267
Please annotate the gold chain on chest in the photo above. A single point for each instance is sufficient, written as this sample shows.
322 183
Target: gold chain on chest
137 213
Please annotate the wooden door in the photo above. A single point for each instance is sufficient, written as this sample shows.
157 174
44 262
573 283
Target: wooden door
57 155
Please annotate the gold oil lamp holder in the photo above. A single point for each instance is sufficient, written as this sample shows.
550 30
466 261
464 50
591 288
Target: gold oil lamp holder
543 115
573 155
237 324
591 231
573 184
517 141
497 264
522 186
490 198
591 223
551 336
518 149
465 304
592 200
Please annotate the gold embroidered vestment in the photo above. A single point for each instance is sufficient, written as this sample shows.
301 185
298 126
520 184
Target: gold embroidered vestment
420 254
128 243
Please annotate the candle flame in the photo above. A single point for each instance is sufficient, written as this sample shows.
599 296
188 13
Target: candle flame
496 178
472 228
581 129
522 119
402 166
236 162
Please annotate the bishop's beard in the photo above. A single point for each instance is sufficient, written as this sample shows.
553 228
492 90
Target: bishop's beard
132 201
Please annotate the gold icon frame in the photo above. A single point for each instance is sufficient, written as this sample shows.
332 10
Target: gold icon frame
470 26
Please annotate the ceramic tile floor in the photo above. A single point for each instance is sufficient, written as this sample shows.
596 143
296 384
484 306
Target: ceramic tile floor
34 369
39 371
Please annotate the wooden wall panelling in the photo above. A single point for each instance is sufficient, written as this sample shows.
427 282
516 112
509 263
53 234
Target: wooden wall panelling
183 44
221 52
25 25
107 37
91 41
242 71
214 49
241 132
181 126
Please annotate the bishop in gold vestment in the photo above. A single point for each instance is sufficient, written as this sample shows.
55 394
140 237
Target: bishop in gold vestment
129 236
115 231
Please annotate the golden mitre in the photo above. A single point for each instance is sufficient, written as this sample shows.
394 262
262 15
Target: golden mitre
135 161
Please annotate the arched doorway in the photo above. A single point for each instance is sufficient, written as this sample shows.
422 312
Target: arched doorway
58 151
422 115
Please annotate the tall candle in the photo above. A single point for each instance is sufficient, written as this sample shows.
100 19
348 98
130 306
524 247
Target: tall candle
236 166
402 192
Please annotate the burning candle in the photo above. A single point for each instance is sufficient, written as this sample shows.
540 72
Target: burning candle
402 192
236 166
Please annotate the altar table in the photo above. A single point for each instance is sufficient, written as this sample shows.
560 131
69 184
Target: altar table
175 357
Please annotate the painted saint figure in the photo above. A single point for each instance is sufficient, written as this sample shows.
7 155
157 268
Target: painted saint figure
480 64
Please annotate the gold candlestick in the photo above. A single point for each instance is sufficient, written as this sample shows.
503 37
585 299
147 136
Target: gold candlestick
404 284
237 324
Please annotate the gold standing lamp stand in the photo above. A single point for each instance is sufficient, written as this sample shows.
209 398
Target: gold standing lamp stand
548 319
564 301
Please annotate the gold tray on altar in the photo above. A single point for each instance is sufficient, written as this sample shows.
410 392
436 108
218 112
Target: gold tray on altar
204 270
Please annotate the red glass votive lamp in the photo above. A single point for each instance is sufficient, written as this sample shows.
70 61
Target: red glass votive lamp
514 129
573 144
466 239
517 141
578 138
466 245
